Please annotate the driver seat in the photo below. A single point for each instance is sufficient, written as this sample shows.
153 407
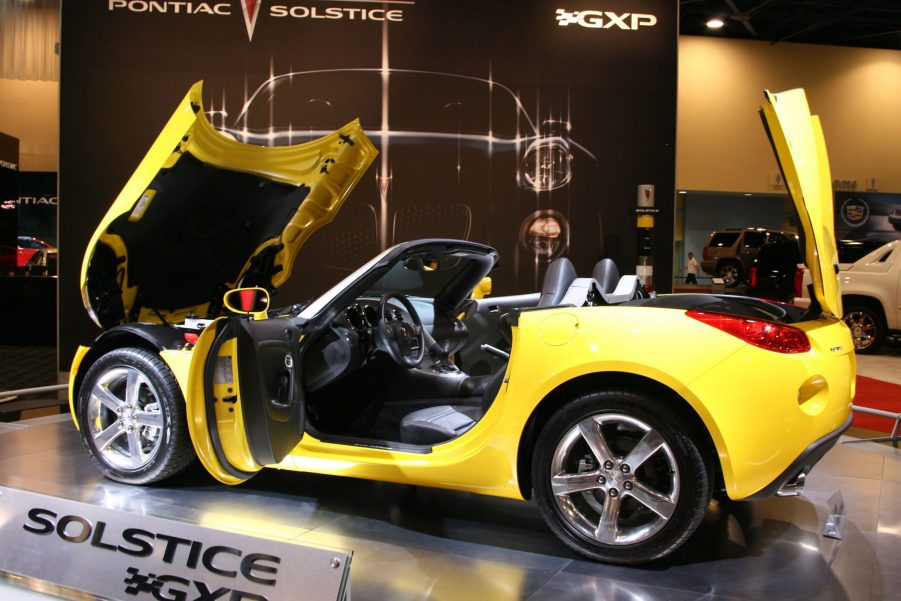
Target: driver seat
434 425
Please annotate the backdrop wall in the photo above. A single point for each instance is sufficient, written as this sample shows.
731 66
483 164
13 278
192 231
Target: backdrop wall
510 123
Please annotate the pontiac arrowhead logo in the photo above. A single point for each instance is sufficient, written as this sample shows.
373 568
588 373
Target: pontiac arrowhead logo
251 9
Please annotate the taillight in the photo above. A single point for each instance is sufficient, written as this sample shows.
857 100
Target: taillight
799 281
767 335
752 277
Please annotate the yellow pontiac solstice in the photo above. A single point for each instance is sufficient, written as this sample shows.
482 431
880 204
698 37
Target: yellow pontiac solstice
617 412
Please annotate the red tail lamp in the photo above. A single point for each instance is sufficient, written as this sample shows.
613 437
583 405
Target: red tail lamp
776 337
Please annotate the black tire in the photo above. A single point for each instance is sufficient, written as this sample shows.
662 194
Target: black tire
731 272
868 328
136 438
639 533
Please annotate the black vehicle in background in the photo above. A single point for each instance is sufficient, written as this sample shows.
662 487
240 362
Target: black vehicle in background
730 252
850 251
778 270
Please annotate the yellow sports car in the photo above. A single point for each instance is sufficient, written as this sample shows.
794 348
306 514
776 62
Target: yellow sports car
618 412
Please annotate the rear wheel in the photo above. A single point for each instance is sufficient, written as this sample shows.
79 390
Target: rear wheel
867 328
619 479
131 413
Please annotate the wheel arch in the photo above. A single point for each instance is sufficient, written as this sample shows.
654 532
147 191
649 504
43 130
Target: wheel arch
610 380
151 337
730 260
849 300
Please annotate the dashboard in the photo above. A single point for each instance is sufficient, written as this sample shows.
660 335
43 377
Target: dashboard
364 315
348 344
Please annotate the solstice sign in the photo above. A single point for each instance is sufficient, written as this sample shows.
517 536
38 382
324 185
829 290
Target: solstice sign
118 555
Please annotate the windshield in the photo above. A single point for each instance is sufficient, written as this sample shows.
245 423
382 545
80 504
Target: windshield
320 303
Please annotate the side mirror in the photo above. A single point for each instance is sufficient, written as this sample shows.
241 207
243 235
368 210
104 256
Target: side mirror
247 301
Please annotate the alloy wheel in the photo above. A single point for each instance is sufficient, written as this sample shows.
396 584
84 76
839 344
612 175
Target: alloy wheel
615 479
730 274
125 419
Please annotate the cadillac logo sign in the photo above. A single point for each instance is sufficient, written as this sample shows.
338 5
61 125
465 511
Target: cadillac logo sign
855 212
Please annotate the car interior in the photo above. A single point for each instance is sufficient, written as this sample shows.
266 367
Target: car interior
413 361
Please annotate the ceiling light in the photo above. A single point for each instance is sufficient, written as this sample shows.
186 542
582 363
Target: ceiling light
715 23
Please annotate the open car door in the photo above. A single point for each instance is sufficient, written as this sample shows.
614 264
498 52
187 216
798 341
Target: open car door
246 406
797 139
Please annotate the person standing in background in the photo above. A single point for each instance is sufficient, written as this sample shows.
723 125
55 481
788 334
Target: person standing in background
691 269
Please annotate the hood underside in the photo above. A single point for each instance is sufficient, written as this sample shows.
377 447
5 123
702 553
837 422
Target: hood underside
212 215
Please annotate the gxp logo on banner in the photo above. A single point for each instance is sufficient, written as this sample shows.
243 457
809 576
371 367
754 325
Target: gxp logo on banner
599 19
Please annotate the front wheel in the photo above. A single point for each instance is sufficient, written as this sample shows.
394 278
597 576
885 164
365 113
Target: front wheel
131 414
618 477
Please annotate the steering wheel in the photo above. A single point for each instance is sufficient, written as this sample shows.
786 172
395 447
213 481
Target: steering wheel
404 342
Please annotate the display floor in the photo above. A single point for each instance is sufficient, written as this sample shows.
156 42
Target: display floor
414 543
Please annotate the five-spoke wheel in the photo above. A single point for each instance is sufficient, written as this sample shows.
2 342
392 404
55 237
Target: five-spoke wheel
131 415
618 477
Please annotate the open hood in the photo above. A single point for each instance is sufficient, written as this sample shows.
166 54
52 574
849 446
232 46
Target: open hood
211 215
797 139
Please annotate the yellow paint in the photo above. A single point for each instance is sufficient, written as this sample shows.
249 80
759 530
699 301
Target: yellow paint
80 352
761 409
758 430
645 221
483 289
801 149
197 406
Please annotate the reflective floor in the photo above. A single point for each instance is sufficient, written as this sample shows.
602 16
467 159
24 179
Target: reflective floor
416 543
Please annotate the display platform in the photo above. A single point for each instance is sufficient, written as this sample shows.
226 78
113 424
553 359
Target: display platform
416 543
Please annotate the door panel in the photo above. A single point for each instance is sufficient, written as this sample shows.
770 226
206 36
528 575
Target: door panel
270 388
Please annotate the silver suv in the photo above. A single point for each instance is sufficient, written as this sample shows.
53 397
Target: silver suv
730 251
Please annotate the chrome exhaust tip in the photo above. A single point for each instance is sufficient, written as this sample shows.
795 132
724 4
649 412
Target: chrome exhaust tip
795 486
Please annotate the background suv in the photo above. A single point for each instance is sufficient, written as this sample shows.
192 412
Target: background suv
777 272
729 252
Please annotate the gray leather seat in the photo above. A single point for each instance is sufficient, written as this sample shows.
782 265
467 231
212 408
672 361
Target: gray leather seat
435 425
557 279
607 275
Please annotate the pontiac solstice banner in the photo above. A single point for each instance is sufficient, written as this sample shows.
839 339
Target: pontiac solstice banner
526 125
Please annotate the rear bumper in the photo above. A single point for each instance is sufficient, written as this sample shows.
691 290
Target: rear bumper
791 481
709 266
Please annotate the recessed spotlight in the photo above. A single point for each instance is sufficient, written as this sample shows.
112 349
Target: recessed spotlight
715 23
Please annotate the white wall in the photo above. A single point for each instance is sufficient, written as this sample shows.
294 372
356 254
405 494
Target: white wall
721 144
